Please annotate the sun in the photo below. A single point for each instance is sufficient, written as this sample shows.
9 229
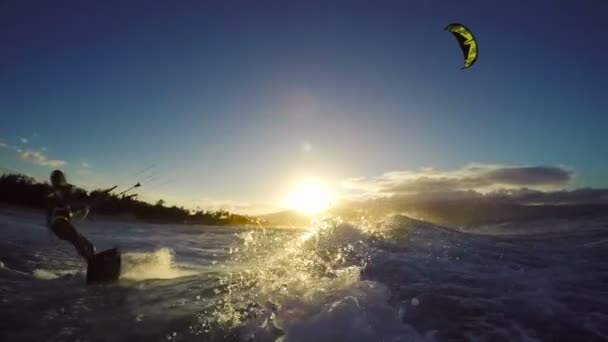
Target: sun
310 197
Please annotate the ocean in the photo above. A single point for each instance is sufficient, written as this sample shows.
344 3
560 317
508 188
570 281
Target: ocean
399 279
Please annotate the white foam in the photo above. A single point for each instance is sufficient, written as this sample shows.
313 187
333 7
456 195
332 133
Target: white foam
363 315
44 274
10 270
310 288
159 264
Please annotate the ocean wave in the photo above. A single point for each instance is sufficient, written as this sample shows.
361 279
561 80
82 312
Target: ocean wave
399 279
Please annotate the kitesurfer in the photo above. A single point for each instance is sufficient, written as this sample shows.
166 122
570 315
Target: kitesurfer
59 215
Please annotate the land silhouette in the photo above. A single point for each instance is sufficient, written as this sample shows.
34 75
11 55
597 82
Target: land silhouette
21 190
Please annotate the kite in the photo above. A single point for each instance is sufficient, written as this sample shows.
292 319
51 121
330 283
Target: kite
467 43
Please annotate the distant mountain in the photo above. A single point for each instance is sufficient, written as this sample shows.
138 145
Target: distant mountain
464 208
467 212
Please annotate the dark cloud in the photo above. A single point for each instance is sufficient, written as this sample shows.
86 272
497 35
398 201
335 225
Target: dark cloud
435 184
528 196
477 194
522 196
531 175
481 178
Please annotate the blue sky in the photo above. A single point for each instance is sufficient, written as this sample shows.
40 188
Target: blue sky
234 102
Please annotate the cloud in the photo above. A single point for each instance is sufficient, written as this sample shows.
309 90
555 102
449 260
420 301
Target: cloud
6 146
435 184
534 175
85 165
38 158
24 140
529 196
480 178
472 195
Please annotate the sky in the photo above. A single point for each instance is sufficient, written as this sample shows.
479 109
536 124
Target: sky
233 103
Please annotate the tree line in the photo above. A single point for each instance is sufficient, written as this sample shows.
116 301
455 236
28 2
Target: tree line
22 190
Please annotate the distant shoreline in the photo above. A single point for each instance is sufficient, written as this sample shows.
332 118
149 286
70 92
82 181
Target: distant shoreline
24 191
12 209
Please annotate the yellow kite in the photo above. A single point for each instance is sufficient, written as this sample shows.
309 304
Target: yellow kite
467 43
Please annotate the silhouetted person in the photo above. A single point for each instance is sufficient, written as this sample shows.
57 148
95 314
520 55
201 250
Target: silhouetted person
59 215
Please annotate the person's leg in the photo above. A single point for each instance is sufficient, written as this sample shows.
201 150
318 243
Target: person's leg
85 247
66 231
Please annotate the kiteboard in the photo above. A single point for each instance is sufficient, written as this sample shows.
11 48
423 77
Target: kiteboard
104 266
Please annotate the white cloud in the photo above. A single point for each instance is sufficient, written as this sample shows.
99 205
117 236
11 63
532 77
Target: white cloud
38 158
6 146
24 140
85 165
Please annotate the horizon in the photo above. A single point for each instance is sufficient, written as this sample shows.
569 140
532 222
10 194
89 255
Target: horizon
247 108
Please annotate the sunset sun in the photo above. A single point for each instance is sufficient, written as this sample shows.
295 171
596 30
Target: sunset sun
310 197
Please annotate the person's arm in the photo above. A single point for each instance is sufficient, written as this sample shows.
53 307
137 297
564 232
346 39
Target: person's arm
49 203
75 198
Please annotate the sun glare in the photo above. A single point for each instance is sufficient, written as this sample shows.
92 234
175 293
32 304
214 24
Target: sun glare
310 197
